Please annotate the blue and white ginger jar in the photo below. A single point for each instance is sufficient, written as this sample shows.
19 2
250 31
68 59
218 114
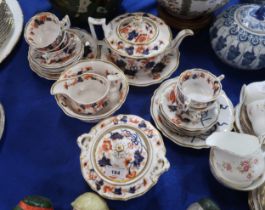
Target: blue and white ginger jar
238 36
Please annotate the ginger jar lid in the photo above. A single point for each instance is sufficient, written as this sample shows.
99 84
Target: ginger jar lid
138 35
252 18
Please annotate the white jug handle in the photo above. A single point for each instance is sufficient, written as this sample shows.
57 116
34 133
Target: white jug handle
243 94
65 22
96 21
83 141
115 80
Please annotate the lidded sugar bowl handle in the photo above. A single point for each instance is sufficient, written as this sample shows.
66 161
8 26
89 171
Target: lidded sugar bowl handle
83 141
179 38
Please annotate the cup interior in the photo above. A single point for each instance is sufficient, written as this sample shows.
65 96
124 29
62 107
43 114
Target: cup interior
87 88
42 30
199 85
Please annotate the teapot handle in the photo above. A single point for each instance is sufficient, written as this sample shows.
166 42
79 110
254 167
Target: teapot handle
97 21
179 38
83 141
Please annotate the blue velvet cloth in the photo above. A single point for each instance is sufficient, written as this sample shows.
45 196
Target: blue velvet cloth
39 154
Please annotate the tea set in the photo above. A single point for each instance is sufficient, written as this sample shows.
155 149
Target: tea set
123 156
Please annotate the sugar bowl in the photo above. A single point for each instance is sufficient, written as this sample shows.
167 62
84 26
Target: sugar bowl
122 157
137 41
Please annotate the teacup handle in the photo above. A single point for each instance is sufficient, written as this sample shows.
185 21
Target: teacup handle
65 22
221 77
83 141
114 79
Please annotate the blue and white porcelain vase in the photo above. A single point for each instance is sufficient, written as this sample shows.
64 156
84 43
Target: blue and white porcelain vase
238 36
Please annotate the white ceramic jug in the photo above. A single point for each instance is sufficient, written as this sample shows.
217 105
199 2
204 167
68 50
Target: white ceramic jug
238 157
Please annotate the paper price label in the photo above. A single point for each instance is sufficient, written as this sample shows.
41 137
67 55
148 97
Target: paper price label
116 172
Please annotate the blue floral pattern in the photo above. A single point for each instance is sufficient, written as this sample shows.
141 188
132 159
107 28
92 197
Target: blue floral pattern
240 42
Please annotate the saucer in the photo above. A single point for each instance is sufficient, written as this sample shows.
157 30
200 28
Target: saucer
14 35
170 63
217 174
2 120
224 123
241 120
116 99
168 109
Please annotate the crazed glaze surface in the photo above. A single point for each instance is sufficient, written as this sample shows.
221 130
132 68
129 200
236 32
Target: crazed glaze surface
238 37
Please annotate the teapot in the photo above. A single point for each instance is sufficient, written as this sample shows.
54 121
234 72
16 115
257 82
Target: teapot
239 157
137 41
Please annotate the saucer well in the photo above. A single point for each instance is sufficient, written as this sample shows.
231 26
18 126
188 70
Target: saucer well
218 175
116 98
169 65
224 123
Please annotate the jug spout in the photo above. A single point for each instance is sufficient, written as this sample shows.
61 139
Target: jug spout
58 88
236 143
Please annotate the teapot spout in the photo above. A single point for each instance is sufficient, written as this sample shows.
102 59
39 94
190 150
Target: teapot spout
179 38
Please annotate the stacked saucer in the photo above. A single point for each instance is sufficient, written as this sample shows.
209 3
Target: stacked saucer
191 108
54 47
91 90
7 21
256 198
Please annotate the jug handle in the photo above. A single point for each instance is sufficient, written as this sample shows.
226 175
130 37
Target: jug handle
113 80
83 141
65 22
243 94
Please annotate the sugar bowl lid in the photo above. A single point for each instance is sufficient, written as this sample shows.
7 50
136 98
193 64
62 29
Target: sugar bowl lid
138 35
122 157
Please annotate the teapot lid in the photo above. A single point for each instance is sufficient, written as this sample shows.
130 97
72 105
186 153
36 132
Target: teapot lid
252 18
138 35
123 157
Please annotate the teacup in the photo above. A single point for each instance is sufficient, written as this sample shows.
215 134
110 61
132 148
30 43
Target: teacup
239 157
45 31
88 93
256 115
198 89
